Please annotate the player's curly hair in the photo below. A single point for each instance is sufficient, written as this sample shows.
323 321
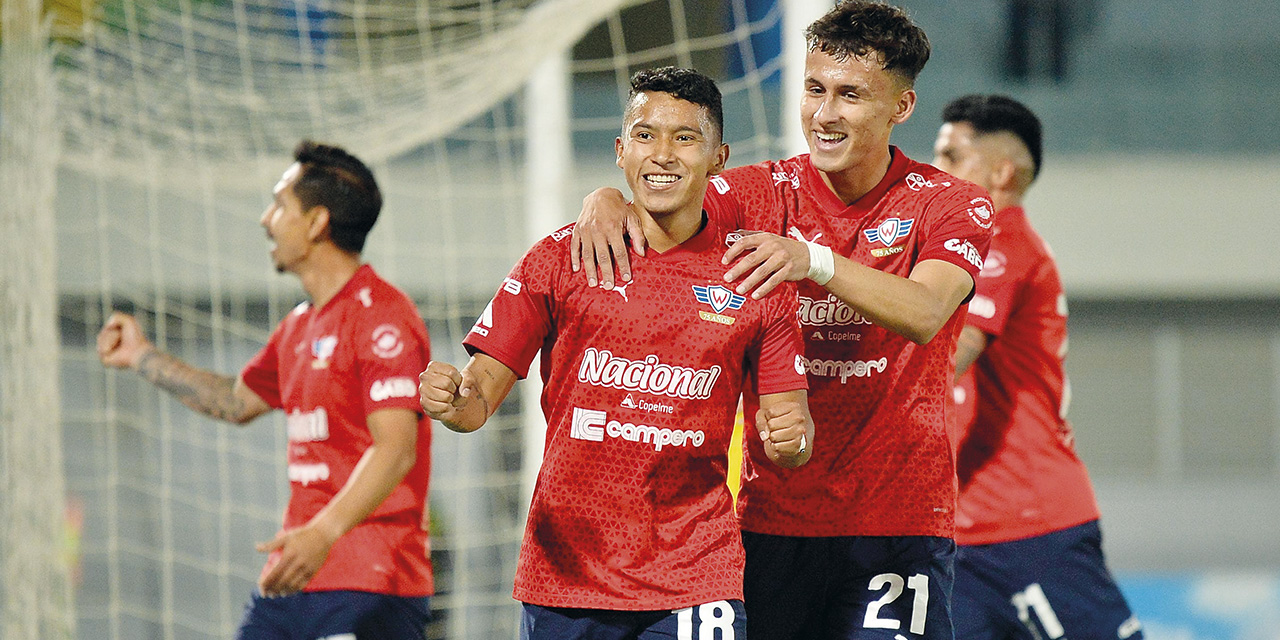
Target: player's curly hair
856 28
685 84
996 113
333 178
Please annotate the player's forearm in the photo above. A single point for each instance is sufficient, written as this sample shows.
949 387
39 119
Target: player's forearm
969 346
898 304
380 470
470 417
210 393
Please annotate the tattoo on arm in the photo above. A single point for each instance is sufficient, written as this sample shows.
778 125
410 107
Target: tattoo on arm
210 393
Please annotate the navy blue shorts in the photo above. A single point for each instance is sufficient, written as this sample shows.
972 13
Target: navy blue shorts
720 620
335 615
848 587
1042 588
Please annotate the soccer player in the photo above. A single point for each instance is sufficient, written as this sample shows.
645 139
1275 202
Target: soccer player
351 560
1030 561
857 543
631 534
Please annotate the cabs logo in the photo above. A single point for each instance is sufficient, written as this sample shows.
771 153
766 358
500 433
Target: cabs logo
890 231
916 182
393 388
322 350
966 250
721 299
561 234
386 341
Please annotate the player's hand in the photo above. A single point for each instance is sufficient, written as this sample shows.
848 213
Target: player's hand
782 427
769 260
597 240
120 342
445 392
302 552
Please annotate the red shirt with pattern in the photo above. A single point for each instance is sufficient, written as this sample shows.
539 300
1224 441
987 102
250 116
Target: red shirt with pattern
328 369
1019 473
631 510
882 464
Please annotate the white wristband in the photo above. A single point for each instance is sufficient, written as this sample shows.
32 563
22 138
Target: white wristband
822 263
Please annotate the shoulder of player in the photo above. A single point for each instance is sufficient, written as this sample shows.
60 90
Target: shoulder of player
380 302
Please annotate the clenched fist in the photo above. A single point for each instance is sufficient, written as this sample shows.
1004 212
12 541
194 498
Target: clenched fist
120 342
783 429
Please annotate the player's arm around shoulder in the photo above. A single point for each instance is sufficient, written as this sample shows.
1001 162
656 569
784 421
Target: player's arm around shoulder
464 400
786 427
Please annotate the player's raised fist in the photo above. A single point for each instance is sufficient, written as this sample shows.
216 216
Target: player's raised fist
438 389
120 342
783 429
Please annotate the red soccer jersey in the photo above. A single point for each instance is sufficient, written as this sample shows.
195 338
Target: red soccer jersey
882 462
328 369
631 510
1019 473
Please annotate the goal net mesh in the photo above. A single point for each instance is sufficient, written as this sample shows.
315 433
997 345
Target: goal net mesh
173 120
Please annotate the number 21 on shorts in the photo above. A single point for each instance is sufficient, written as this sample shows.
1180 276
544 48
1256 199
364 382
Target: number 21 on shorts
919 586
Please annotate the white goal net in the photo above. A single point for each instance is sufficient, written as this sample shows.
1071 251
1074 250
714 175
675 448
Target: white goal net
485 122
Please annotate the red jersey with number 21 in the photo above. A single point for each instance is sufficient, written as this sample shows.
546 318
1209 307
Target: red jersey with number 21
631 510
882 462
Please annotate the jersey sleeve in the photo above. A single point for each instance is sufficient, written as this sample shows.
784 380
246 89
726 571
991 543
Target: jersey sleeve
262 373
743 198
721 204
779 366
998 286
518 319
391 350
960 229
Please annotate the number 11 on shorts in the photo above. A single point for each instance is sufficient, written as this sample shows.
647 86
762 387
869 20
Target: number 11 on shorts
919 585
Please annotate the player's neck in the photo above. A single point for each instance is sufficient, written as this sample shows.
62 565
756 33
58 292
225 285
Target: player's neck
663 232
858 180
1001 199
326 271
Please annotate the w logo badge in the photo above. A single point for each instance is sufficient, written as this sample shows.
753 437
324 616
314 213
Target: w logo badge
890 231
718 297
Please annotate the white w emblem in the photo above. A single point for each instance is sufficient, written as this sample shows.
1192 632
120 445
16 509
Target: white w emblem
718 297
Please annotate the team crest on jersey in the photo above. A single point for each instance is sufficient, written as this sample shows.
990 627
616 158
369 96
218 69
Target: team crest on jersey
721 299
980 211
386 341
322 350
889 232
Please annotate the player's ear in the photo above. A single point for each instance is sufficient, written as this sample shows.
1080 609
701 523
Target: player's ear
722 158
905 106
319 227
617 149
1004 174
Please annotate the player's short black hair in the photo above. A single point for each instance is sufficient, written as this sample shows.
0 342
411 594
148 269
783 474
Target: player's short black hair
685 84
996 113
856 28
335 179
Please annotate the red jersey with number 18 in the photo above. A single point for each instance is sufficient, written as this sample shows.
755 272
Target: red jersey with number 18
882 462
1019 473
631 510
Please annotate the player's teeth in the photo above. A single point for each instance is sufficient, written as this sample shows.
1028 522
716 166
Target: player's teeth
830 137
662 179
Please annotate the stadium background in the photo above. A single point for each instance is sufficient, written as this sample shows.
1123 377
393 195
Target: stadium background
141 139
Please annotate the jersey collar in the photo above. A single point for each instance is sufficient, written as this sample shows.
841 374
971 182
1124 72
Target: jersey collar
832 204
